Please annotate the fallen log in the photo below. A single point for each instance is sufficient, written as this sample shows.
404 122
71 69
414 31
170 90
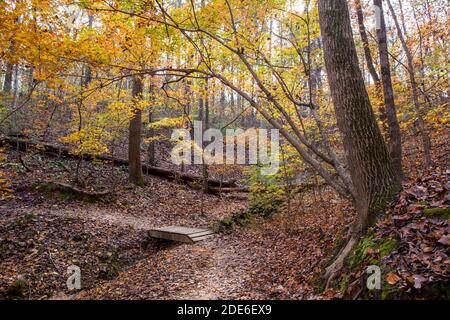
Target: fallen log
72 189
216 190
48 148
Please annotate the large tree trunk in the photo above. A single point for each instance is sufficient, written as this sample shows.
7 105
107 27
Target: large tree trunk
395 142
367 156
134 139
415 93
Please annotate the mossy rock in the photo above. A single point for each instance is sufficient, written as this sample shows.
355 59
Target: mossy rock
443 213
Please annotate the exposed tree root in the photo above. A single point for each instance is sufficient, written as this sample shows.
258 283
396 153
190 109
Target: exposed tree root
336 266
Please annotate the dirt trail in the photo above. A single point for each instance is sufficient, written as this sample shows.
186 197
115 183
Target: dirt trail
220 279
100 216
216 275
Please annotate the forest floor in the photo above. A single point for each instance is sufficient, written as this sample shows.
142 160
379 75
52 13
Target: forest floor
43 231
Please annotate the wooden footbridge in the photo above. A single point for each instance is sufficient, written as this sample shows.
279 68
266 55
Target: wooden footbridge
181 234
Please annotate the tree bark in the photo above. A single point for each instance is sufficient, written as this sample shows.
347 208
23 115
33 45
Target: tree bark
368 159
370 64
151 131
134 138
395 143
15 100
7 85
365 42
205 126
415 93
151 145
203 116
87 71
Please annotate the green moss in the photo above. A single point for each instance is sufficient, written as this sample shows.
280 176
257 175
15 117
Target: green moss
29 216
67 196
383 246
385 295
443 213
360 251
345 281
386 246
109 265
17 289
241 219
319 282
227 222
264 208
49 190
267 192
52 191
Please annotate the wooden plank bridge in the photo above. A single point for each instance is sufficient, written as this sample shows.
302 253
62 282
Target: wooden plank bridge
181 234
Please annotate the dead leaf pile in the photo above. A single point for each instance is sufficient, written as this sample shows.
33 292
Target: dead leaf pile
422 256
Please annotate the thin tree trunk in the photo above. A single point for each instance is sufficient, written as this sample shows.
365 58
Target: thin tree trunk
402 15
395 143
151 130
151 144
15 96
367 156
87 72
7 85
30 80
422 59
415 94
205 127
365 41
134 139
370 63
203 110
